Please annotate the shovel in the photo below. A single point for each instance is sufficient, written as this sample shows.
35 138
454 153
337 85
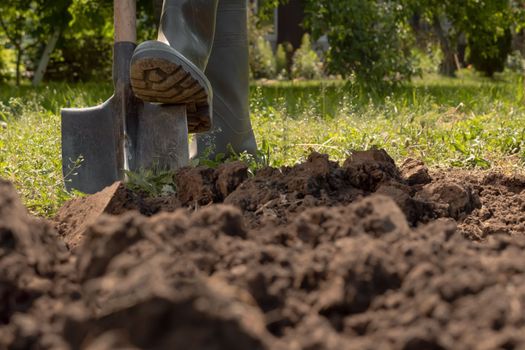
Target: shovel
99 144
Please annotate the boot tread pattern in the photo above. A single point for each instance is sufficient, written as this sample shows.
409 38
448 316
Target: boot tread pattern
159 81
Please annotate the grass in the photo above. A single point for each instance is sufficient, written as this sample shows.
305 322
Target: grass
469 122
465 122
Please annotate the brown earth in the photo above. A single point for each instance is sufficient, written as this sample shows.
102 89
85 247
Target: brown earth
366 255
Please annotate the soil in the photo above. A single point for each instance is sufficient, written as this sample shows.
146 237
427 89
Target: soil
364 255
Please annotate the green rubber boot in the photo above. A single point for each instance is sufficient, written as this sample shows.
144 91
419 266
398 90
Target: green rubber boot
171 69
228 72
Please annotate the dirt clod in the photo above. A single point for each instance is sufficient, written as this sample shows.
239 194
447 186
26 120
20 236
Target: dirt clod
196 186
35 274
314 256
76 215
415 172
230 176
197 315
368 169
451 199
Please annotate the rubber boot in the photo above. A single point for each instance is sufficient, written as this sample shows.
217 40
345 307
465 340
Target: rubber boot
171 69
228 72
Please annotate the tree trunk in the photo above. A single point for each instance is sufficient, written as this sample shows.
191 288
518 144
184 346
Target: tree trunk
46 55
290 17
18 64
448 66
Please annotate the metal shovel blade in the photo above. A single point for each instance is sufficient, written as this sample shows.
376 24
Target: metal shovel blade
89 134
94 134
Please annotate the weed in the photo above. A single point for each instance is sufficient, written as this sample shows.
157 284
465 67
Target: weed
253 161
153 183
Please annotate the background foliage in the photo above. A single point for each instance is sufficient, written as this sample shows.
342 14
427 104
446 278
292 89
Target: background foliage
376 44
369 39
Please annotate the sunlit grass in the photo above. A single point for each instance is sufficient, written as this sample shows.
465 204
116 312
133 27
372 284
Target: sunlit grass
466 122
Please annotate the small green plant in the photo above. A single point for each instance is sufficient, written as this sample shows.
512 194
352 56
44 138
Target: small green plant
151 182
72 168
206 160
254 162
306 62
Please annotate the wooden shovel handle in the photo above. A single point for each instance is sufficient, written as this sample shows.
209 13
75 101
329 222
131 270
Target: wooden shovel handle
125 12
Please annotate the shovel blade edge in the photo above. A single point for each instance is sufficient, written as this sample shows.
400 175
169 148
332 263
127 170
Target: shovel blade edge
88 135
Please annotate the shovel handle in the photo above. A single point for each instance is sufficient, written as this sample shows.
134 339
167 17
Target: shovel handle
125 12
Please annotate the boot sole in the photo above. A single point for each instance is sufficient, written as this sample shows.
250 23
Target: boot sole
160 75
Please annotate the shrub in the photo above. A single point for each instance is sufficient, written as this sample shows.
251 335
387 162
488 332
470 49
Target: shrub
262 60
84 59
515 62
427 60
488 53
306 62
281 62
262 63
5 57
369 40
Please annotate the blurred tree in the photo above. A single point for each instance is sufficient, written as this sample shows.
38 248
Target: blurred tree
29 23
17 17
289 23
70 39
265 8
369 40
84 51
262 60
54 18
486 24
488 52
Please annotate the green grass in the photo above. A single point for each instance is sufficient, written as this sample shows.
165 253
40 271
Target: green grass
466 122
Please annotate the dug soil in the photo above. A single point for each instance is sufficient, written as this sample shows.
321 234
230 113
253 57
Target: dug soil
363 255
